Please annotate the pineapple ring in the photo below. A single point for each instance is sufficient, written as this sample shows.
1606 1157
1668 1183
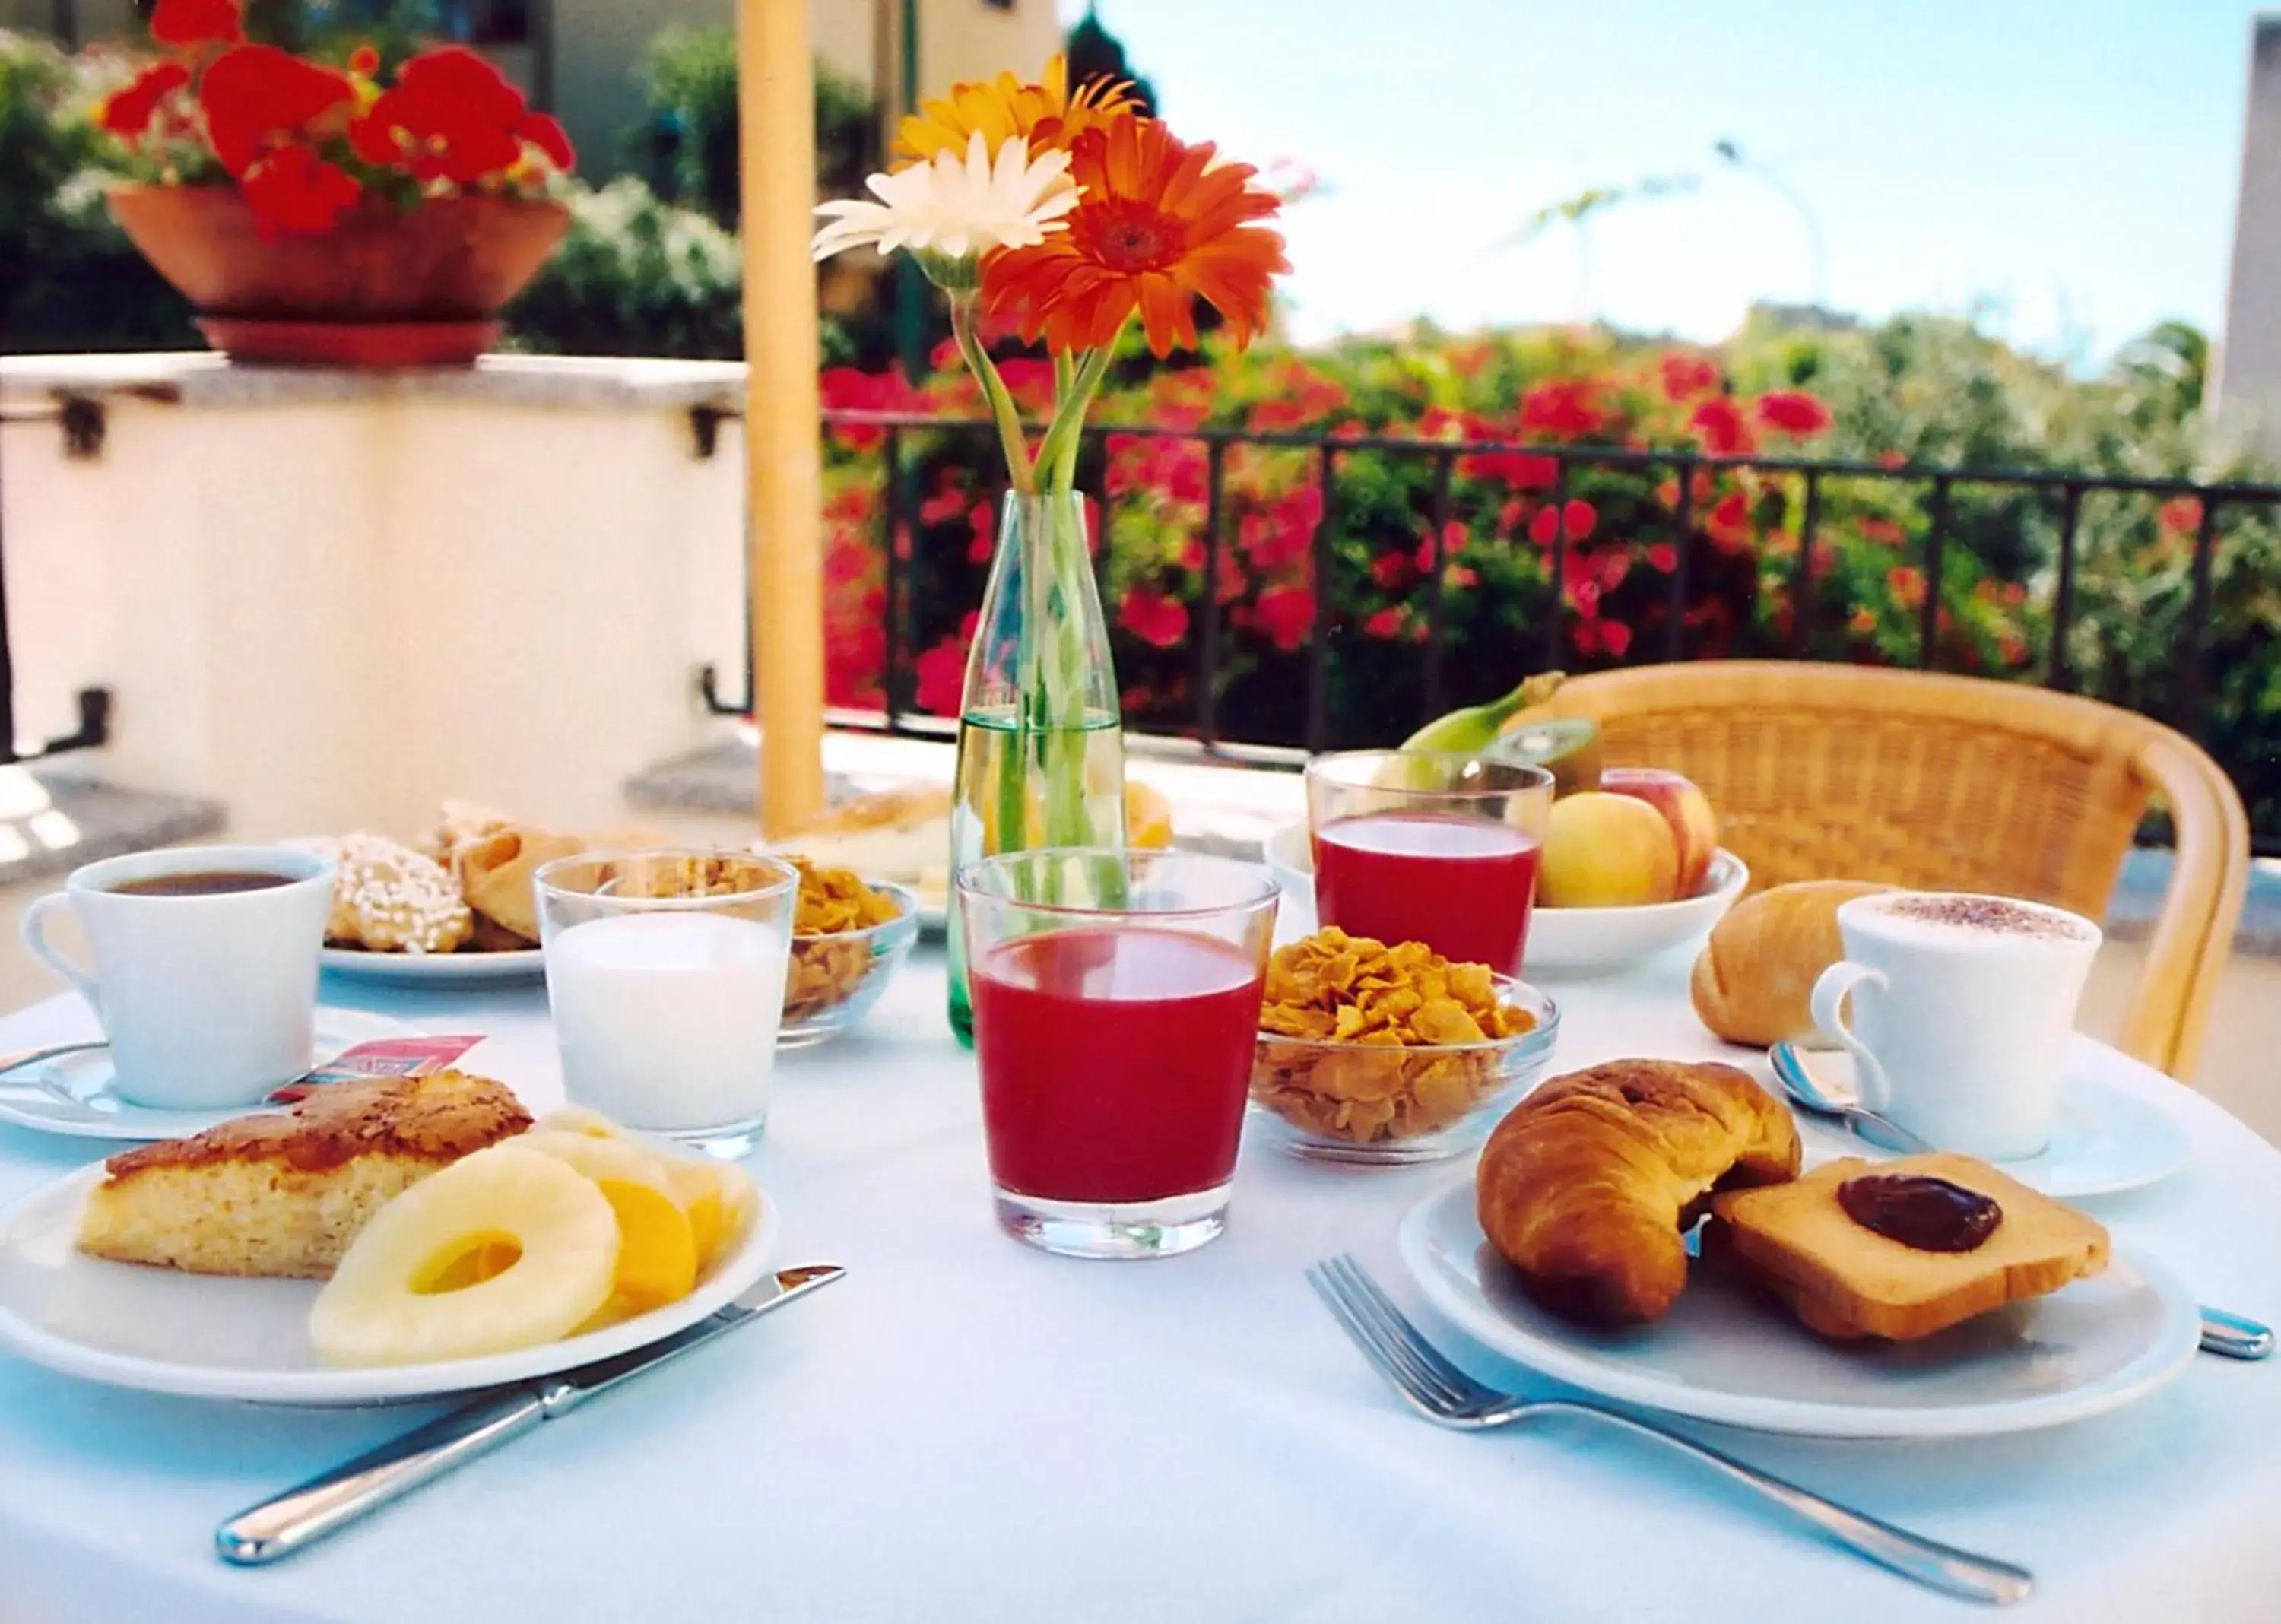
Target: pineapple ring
721 1199
658 1256
396 1298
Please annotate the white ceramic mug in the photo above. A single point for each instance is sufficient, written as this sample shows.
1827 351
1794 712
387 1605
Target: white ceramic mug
208 1001
1961 1005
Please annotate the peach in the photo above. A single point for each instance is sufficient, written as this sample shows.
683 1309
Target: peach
1603 850
1694 826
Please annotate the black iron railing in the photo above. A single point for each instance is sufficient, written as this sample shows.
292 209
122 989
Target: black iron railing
1939 487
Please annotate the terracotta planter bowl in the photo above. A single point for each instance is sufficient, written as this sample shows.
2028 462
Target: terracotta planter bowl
382 286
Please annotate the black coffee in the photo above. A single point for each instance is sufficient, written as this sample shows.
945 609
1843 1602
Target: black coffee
200 883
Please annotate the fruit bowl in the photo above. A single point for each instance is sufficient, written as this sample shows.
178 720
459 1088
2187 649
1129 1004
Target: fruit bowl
1448 1096
1598 941
834 981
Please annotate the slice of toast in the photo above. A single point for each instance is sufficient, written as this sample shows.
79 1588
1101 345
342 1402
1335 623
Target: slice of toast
1844 1280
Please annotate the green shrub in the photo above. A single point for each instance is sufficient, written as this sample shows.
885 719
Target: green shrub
689 142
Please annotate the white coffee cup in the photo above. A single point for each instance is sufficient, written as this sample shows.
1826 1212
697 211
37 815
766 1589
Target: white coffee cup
1960 1007
209 1000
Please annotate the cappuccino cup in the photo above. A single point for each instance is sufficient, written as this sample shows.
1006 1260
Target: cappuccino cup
1956 1008
203 967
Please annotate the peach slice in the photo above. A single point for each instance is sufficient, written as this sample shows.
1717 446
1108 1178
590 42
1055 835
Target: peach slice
657 1251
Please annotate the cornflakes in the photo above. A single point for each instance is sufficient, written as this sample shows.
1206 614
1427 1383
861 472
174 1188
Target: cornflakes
1400 1016
826 969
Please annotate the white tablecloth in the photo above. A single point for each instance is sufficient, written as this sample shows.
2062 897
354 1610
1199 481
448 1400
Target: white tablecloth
965 1429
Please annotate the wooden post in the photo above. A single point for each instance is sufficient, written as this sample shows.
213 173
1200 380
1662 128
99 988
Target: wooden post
775 109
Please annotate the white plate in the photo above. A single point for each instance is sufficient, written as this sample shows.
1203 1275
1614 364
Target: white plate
2105 1141
517 964
72 1095
1723 1353
211 1337
1562 941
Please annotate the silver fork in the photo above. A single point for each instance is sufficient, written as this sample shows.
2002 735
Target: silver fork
1448 1397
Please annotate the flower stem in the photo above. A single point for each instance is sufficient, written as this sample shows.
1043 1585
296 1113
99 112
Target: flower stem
1003 410
1057 452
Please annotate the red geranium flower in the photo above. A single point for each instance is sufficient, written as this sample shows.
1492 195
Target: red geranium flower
1906 583
256 96
1566 410
1385 625
291 188
452 116
1728 523
1287 615
1156 620
1718 423
196 22
1663 556
1686 376
2180 515
1581 516
128 110
1792 412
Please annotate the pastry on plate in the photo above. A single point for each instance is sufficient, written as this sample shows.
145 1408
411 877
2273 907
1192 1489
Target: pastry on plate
496 871
284 1192
1902 1249
388 897
1587 1185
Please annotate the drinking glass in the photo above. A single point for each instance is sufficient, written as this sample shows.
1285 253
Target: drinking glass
665 970
1428 846
1115 1040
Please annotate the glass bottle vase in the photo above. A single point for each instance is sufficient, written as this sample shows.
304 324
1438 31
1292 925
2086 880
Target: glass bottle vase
1040 743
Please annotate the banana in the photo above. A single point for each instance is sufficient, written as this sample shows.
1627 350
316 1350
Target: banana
1463 732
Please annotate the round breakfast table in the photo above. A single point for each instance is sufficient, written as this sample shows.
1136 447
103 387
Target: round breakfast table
965 1429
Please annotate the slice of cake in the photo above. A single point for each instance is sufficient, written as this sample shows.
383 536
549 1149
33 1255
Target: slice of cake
1901 1249
284 1192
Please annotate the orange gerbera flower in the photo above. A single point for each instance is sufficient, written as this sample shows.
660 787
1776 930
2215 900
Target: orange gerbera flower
1046 114
1155 224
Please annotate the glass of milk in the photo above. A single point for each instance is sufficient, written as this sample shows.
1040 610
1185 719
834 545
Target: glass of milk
665 970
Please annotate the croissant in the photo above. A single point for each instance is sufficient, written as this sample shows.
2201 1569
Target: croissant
1587 1185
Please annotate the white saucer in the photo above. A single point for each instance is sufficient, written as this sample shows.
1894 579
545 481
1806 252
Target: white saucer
214 1337
1724 1353
520 964
72 1094
2105 1140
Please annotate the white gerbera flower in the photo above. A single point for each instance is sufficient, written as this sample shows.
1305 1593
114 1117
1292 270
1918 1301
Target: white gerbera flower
955 208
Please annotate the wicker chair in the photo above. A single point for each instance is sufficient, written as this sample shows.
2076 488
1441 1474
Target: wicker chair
1831 771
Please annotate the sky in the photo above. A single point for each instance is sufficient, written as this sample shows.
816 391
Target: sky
2068 168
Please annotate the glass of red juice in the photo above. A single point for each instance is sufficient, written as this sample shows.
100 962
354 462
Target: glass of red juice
1425 845
1116 1009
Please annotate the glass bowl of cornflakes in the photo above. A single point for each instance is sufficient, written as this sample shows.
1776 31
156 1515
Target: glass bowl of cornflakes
848 936
1391 1055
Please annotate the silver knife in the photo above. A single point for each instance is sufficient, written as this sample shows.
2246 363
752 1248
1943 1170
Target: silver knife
300 1516
2236 1336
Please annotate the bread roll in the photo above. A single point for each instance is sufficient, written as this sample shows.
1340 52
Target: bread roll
1585 1187
1752 978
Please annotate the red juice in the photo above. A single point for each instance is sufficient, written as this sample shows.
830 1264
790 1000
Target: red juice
1115 1062
1463 886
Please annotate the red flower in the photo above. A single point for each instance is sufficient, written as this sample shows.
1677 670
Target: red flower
1453 542
1718 424
1581 516
196 22
1906 583
940 687
289 189
1613 567
2180 515
1156 620
128 110
1523 470
256 96
1391 569
1385 625
1611 637
1728 525
1891 459
364 60
850 389
452 116
1686 376
1287 615
982 533
1566 410
1792 412
1884 532
1030 381
1663 556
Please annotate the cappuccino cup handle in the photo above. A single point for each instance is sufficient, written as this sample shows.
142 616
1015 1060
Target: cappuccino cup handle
1827 1003
33 928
